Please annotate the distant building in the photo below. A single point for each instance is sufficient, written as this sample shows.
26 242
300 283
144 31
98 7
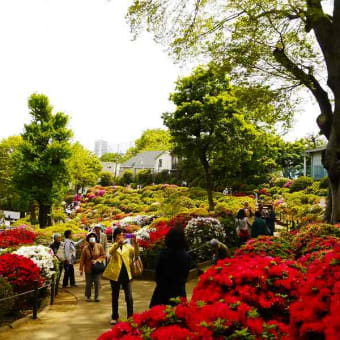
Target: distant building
101 147
155 161
111 167
317 170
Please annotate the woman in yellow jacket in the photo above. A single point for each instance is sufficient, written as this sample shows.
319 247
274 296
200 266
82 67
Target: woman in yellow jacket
118 271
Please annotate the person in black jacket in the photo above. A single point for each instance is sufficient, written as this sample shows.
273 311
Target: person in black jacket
172 269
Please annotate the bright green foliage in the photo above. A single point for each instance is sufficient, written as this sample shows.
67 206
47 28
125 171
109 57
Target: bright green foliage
84 167
151 140
106 179
41 171
207 124
111 157
9 198
301 183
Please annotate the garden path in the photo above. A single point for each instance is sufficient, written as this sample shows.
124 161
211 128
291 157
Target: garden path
72 318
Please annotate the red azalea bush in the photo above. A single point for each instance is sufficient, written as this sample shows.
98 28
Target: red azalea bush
267 246
303 237
320 243
315 315
265 283
15 237
198 321
20 272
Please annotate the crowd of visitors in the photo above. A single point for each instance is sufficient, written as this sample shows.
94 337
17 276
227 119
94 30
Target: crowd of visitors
117 264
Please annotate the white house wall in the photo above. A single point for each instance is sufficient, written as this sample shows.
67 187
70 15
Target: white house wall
166 162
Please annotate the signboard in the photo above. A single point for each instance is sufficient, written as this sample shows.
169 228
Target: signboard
13 215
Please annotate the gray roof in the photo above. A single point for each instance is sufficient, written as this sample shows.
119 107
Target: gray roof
144 160
320 148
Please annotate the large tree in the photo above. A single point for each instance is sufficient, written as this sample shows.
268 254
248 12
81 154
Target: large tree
84 167
286 43
150 140
9 198
207 123
41 172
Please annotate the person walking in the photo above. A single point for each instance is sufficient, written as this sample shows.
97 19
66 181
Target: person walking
242 227
70 258
92 253
172 269
259 226
118 271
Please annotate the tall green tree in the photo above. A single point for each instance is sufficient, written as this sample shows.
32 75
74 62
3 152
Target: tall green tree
286 43
9 198
207 124
41 172
150 140
84 167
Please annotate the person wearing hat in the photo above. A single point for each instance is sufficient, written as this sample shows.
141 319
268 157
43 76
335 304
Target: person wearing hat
57 247
101 237
92 253
221 251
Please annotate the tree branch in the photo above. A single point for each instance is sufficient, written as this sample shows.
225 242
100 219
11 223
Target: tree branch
325 119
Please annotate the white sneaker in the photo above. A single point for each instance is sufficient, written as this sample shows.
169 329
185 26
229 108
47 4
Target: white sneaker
113 322
88 299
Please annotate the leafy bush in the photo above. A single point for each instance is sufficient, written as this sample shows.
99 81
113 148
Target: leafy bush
231 239
14 237
106 178
144 177
301 183
6 291
280 182
127 177
324 183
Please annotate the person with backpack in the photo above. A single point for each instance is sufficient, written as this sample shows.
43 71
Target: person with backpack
92 262
242 227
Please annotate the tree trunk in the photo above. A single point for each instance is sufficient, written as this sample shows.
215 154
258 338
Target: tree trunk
331 161
328 212
45 210
32 207
209 182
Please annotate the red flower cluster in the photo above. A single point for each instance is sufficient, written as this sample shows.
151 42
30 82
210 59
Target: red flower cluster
316 314
20 272
158 234
267 246
197 321
14 237
265 283
304 236
320 243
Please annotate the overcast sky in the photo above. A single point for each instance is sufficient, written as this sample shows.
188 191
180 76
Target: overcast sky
80 54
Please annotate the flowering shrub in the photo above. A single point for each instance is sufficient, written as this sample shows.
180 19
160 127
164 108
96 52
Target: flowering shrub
13 237
302 239
41 256
6 291
267 246
221 320
320 243
321 294
265 283
199 231
20 272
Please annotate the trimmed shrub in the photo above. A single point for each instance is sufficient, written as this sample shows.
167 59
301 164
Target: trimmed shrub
301 183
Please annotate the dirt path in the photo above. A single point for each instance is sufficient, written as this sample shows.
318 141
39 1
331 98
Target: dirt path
72 318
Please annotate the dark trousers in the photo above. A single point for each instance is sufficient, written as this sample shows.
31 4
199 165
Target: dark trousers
68 275
115 286
92 279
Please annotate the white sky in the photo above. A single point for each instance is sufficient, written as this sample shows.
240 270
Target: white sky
80 54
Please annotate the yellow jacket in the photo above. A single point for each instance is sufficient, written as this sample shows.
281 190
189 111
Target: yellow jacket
118 256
